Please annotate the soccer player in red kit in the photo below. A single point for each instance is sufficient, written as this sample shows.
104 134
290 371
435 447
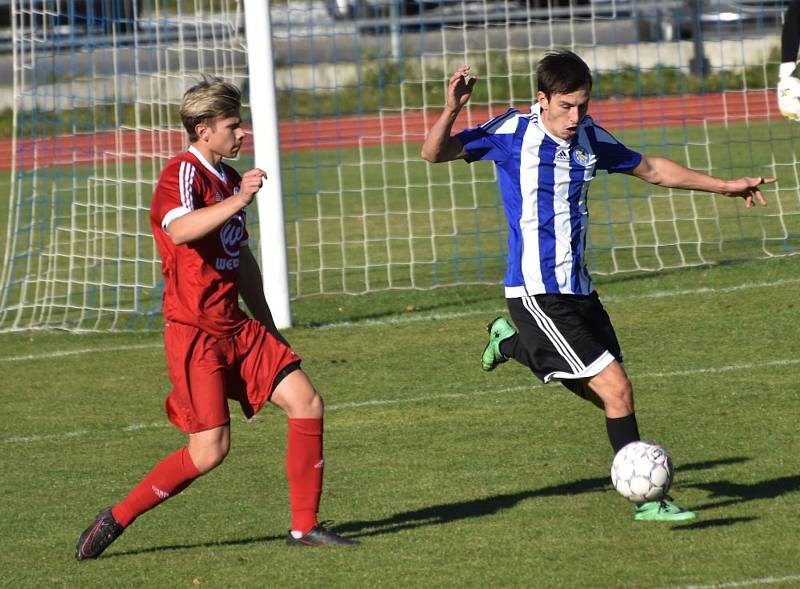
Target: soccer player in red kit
215 352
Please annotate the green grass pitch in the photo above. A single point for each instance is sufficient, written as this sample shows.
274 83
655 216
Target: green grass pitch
450 476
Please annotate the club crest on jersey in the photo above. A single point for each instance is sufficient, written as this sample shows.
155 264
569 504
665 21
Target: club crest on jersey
217 197
580 156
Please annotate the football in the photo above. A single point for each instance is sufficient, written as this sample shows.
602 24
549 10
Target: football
642 471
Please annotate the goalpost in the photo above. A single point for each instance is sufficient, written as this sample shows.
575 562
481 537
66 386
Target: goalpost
266 140
97 86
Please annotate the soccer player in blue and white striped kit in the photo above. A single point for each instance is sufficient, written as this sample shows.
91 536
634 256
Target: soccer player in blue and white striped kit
545 162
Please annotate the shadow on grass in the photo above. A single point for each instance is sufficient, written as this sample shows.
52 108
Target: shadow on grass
733 493
239 542
707 464
427 516
449 512
712 523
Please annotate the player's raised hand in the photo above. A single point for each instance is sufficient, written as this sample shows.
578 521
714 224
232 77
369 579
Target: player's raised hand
789 97
748 189
251 183
459 90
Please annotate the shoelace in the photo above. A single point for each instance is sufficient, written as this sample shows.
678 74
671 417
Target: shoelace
325 525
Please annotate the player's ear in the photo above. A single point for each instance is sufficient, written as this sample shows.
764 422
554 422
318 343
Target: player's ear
541 98
201 130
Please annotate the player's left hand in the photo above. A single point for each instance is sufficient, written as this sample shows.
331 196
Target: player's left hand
789 97
748 189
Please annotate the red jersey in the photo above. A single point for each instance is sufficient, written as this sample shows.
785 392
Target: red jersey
201 277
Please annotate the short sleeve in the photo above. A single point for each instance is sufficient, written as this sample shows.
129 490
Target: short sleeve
492 140
176 193
611 154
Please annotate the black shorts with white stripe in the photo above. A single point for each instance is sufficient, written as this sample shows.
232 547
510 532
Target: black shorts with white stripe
563 336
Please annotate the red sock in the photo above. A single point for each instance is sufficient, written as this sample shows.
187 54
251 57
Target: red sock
170 476
304 467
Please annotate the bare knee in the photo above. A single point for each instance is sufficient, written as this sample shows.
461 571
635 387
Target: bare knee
618 401
305 406
297 397
209 449
208 458
314 406
614 389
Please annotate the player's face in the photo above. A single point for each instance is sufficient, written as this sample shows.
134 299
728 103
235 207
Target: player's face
561 113
223 136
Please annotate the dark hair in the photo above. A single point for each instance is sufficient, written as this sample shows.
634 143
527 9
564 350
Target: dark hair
562 72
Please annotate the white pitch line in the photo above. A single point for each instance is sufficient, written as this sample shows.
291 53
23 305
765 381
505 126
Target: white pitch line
49 355
383 402
45 437
728 368
75 434
658 294
422 399
744 583
412 318
537 384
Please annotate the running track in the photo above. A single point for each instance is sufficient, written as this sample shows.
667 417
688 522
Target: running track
376 129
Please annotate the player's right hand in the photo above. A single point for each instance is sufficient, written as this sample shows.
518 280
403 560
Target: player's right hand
789 97
251 183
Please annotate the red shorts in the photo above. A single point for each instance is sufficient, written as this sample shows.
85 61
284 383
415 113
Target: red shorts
206 371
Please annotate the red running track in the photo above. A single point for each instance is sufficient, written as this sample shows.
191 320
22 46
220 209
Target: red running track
390 128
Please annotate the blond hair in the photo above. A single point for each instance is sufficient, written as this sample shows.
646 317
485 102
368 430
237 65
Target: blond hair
209 99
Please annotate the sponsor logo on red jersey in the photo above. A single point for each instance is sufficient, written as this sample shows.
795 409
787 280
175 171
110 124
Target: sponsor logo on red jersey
230 236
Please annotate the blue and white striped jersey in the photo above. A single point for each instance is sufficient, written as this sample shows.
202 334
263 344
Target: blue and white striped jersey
544 183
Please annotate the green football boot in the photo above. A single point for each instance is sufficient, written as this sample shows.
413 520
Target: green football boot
662 511
499 331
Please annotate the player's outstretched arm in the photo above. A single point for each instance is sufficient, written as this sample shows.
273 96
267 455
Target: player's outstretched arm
251 289
665 172
440 145
202 221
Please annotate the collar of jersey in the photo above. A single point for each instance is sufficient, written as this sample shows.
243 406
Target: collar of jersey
196 153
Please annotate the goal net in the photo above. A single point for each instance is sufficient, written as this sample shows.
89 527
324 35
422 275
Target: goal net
97 85
97 89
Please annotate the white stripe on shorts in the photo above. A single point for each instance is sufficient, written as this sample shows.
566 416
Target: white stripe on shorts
551 331
593 369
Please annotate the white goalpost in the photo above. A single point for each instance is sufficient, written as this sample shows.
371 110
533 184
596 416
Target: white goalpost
266 139
340 95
